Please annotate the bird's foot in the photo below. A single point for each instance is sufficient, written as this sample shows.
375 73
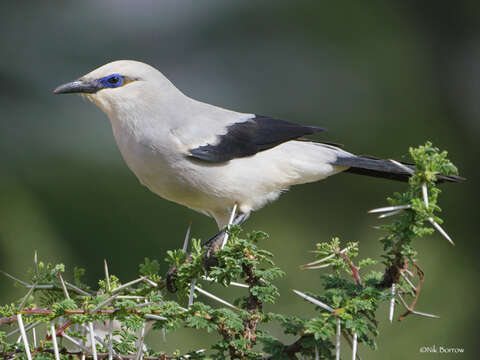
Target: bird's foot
209 260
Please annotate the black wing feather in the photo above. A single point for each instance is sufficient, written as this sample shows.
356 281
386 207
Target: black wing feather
250 137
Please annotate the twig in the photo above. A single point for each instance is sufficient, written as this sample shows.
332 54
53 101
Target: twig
354 269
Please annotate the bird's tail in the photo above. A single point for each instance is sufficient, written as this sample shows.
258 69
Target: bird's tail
387 169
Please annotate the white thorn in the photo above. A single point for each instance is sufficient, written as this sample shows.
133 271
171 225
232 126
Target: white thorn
392 304
24 336
54 341
317 355
103 303
329 256
425 194
34 333
164 335
92 340
354 345
146 303
155 317
400 165
27 327
337 342
440 230
389 208
65 291
192 292
187 238
128 284
101 342
231 283
133 297
408 272
25 298
416 312
107 275
151 282
140 343
196 352
77 343
206 293
307 267
313 300
110 338
230 221
77 289
40 286
390 214
425 314
15 279
407 280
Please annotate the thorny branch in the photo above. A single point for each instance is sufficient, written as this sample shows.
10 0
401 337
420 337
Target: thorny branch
239 330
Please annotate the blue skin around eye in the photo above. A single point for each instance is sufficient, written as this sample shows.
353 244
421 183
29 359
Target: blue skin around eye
105 81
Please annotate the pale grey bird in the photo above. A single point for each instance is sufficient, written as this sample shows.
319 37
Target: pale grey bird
206 157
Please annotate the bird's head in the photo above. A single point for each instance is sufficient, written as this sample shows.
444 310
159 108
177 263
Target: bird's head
119 84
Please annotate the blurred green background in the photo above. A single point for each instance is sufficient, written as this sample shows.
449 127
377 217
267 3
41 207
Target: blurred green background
380 75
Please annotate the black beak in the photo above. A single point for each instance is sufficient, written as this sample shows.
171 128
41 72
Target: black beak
78 86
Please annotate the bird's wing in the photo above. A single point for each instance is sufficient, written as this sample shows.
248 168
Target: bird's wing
246 138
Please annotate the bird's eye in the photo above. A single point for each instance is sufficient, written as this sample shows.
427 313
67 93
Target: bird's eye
112 81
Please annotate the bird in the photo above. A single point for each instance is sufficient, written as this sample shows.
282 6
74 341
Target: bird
210 159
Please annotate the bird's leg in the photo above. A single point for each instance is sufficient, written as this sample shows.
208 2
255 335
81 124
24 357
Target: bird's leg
215 242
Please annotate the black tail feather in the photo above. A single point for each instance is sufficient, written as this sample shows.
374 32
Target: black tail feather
369 166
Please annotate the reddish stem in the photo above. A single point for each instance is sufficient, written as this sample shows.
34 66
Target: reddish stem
354 269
